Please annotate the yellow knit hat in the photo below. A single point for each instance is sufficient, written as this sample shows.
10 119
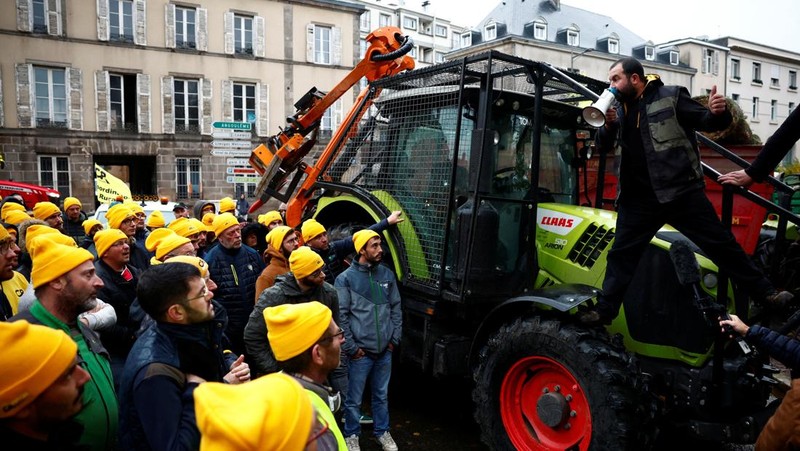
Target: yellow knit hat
44 210
361 237
208 220
105 238
276 236
117 214
304 261
135 207
155 220
310 229
197 262
223 222
198 224
184 227
54 235
89 224
70 201
52 260
293 328
4 235
271 413
23 378
10 206
16 217
227 205
269 217
163 241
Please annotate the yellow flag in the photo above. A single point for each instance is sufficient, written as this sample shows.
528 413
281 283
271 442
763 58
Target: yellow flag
107 187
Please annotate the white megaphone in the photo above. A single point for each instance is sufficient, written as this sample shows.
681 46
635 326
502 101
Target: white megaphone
595 114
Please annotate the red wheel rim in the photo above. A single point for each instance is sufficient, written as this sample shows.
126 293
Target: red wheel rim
538 385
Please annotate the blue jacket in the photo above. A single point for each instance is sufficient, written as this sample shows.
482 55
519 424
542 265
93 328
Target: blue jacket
156 404
369 306
783 348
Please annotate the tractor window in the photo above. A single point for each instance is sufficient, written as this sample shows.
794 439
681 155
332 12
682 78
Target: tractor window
556 174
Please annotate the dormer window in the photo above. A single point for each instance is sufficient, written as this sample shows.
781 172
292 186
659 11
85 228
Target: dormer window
649 53
674 57
613 46
573 37
466 39
540 29
490 32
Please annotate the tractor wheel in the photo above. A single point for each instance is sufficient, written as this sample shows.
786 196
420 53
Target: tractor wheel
544 385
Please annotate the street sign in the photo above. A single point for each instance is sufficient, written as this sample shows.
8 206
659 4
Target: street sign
240 171
230 152
232 125
230 134
237 161
232 144
242 179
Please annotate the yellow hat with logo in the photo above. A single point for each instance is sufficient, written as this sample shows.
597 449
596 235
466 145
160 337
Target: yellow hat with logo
52 260
311 229
293 328
104 239
304 261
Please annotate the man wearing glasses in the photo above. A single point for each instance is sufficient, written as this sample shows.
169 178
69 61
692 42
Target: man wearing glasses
183 349
307 344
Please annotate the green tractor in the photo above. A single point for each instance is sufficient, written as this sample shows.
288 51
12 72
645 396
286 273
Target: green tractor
485 157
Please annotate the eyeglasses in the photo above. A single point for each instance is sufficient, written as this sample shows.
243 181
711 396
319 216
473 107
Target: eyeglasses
317 273
202 295
129 221
6 246
338 335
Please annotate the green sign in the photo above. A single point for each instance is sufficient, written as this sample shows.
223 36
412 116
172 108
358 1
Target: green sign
232 125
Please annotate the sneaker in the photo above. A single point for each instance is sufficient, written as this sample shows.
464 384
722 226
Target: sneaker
592 318
778 298
387 442
352 443
365 419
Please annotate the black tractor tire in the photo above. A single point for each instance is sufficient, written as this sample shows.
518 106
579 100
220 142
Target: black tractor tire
541 384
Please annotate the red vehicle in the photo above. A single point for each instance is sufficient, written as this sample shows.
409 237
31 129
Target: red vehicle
31 194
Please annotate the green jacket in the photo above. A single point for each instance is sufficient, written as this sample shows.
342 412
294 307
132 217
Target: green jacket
100 414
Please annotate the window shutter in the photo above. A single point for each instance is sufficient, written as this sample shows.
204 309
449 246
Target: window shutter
139 22
336 46
143 107
54 17
24 16
202 29
227 100
25 96
262 110
101 96
228 32
310 43
338 114
75 99
205 106
715 67
167 107
103 29
2 113
259 44
169 20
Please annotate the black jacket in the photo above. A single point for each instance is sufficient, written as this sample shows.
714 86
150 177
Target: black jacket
119 338
74 229
783 348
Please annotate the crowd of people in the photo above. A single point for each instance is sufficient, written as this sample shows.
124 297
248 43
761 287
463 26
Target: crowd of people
207 332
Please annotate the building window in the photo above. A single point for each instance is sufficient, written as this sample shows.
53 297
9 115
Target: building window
362 47
756 72
385 20
331 119
792 79
735 69
410 23
188 178
466 40
51 97
439 58
185 26
364 21
187 110
322 44
650 53
441 31
39 16
490 32
122 102
791 107
243 34
244 102
710 61
120 19
775 76
674 58
773 110
540 31
54 173
573 38
735 97
755 109
613 46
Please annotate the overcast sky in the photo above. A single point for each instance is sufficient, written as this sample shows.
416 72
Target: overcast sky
770 22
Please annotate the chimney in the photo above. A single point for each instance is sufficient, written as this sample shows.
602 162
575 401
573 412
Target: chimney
556 4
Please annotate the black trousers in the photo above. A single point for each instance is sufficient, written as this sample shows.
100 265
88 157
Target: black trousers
693 215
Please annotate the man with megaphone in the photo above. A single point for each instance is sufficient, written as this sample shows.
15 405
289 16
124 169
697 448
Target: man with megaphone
661 182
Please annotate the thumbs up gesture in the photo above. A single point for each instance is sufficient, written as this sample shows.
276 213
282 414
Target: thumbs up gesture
716 101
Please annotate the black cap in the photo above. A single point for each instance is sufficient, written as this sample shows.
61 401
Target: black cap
179 205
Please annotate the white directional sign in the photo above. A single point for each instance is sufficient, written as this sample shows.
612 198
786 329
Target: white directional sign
242 179
231 144
230 134
230 152
237 161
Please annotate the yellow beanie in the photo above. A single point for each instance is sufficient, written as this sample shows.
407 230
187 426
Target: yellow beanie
105 238
223 222
293 328
52 260
44 210
155 220
70 201
89 224
184 227
276 236
4 235
10 206
227 205
361 237
54 235
197 262
16 217
269 217
310 229
117 214
23 378
208 220
198 224
163 241
271 413
304 261
134 206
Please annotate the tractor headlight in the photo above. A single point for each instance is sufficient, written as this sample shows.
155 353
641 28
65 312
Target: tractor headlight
710 280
